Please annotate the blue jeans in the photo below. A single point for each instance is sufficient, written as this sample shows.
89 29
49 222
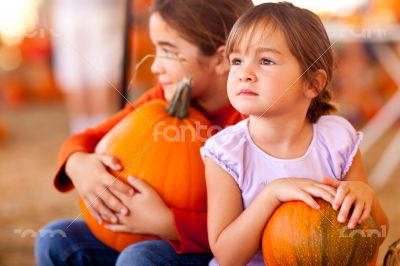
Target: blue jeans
76 245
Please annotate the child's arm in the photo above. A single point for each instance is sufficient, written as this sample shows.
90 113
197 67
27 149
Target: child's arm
78 166
234 233
87 140
354 190
89 174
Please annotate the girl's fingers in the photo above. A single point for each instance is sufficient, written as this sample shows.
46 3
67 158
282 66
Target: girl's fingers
345 209
330 182
140 185
120 186
330 189
341 193
110 161
113 202
97 204
319 192
303 196
92 211
356 215
118 228
109 180
366 213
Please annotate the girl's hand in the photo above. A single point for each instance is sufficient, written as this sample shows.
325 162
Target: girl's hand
291 189
89 174
148 214
351 193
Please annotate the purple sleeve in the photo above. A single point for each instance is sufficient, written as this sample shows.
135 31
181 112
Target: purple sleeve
226 150
341 139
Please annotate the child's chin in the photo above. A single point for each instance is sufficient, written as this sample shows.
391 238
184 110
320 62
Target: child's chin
168 95
244 109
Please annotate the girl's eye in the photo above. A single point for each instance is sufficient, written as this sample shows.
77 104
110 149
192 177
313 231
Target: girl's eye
169 54
265 61
236 62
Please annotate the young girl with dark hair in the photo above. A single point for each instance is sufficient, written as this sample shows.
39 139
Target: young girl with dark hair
189 38
289 148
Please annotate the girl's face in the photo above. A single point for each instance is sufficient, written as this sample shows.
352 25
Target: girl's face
176 58
265 78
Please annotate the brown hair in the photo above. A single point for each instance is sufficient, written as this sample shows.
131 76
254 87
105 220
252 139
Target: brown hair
307 41
204 23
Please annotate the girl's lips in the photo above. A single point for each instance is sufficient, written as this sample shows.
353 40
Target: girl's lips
247 92
165 83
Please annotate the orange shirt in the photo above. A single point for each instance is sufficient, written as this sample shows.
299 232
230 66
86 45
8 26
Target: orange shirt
191 226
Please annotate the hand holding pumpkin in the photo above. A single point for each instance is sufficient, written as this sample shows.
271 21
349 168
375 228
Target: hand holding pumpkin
148 214
351 193
303 189
88 173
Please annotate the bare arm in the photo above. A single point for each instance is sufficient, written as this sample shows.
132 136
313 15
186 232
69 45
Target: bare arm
235 233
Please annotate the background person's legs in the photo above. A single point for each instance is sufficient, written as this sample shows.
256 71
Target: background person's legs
88 46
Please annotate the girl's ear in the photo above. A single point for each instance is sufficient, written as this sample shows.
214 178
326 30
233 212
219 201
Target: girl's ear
221 62
316 84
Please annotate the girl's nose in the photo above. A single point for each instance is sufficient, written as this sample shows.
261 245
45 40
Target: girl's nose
157 66
246 75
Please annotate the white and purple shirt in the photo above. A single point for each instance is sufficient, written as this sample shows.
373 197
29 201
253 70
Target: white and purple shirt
330 154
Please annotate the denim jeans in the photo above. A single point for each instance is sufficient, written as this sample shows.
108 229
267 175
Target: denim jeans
76 245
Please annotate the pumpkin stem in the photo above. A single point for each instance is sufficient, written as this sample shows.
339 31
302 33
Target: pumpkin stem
179 105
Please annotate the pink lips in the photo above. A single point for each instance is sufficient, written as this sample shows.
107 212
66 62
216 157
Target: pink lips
247 92
165 84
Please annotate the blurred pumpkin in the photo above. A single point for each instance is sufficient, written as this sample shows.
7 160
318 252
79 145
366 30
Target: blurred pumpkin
392 256
2 131
297 234
159 144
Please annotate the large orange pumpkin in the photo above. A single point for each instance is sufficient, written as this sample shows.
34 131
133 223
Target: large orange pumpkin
160 145
296 234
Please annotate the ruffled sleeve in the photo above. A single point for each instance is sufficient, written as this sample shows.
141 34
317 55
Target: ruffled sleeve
226 149
341 141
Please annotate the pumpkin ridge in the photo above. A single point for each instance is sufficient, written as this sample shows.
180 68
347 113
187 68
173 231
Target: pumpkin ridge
325 226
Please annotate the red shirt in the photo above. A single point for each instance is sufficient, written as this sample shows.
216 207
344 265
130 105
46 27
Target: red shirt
190 226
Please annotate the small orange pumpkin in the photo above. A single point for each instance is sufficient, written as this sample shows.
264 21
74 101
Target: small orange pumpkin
159 144
296 234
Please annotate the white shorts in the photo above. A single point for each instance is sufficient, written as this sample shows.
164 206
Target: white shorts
88 42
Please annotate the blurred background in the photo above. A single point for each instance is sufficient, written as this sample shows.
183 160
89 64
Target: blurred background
44 96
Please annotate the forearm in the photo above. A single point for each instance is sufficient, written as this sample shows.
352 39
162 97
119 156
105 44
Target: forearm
240 241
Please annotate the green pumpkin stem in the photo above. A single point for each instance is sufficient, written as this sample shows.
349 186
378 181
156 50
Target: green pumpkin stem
179 105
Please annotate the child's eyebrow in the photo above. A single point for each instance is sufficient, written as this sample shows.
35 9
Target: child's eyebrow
267 49
259 50
168 44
